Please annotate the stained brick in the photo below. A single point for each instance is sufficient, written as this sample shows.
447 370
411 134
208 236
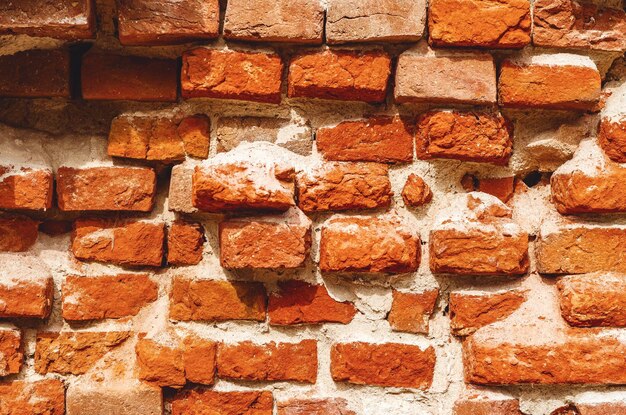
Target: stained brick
105 76
26 287
410 312
35 73
46 396
470 311
485 406
185 242
11 355
119 398
61 19
217 300
226 403
25 188
230 74
17 233
330 406
340 75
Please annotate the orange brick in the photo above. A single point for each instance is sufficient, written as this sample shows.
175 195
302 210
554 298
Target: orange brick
226 403
17 233
469 311
416 192
35 73
11 354
46 396
185 241
26 288
49 18
119 398
410 312
340 75
25 188
160 364
229 74
485 406
269 362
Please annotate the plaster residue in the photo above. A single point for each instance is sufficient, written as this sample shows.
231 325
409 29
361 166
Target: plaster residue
589 160
531 57
615 107
18 268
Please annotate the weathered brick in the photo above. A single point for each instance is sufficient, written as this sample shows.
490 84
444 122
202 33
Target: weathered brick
74 352
573 24
467 136
231 74
217 300
375 21
340 75
297 302
295 137
381 139
581 249
268 362
158 22
35 73
485 406
26 287
11 354
180 196
61 19
386 364
265 242
160 364
23 397
596 299
185 242
500 187
481 240
479 23
223 403
410 312
200 360
369 244
330 406
344 186
601 408
159 138
25 188
106 188
105 76
243 186
293 21
470 311
446 78
612 139
553 85
119 398
416 192
17 233
106 296
125 243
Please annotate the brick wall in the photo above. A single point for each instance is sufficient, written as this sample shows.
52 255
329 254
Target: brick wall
307 207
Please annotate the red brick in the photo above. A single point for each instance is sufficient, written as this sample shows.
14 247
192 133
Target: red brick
609 408
466 136
230 74
160 364
471 311
25 188
106 188
416 192
74 353
297 302
119 398
344 186
381 139
61 19
573 24
106 296
105 76
11 354
293 21
483 241
243 186
265 242
560 86
185 242
410 312
22 397
35 73
330 406
386 364
581 249
446 78
374 21
612 139
500 187
159 138
122 243
268 362
479 23
340 75
223 403
597 299
200 360
26 288
369 244
486 406
17 233
217 300
158 22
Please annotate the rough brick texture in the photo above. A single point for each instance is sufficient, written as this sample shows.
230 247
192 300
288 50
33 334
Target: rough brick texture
185 242
11 355
331 406
340 75
486 406
410 312
416 192
26 287
35 73
17 233
230 74
121 399
248 403
46 396
25 188
71 20
471 311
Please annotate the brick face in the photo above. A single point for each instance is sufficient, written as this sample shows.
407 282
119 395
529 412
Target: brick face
11 355
25 188
35 73
248 403
471 311
410 312
17 233
185 242
49 18
46 396
121 399
26 288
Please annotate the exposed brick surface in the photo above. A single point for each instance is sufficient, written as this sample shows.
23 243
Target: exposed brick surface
155 22
185 242
71 20
226 403
26 288
485 406
387 364
17 233
331 406
268 362
160 364
471 311
122 399
25 188
21 397
340 75
105 76
410 312
11 354
217 300
612 139
35 73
